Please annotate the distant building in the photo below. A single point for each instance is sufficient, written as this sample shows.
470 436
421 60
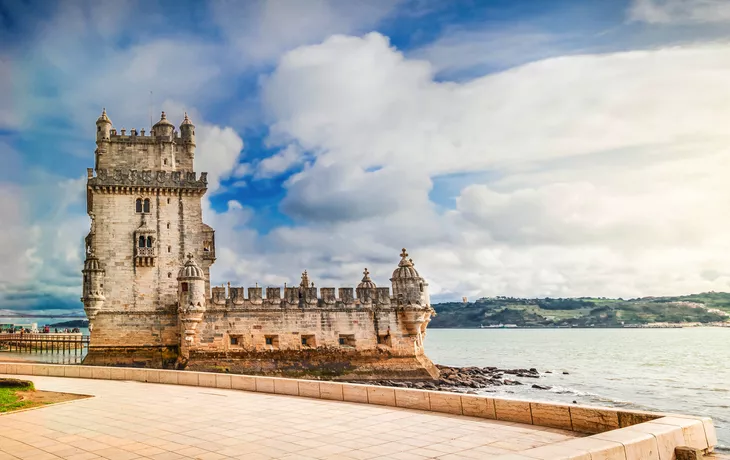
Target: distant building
147 293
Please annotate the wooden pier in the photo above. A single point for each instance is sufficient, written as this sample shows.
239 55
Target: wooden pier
44 343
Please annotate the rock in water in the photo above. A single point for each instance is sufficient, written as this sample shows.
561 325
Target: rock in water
541 387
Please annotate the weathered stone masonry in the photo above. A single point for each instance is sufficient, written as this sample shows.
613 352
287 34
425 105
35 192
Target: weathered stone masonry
147 289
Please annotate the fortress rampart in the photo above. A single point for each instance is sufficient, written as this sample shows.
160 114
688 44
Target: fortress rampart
147 286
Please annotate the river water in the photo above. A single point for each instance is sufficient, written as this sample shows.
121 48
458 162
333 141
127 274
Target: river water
675 370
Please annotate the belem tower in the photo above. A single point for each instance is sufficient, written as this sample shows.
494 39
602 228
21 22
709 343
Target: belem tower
147 293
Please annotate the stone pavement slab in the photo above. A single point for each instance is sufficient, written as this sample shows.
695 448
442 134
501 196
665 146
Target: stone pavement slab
128 420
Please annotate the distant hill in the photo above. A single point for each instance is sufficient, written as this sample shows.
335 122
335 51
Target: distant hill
708 307
75 323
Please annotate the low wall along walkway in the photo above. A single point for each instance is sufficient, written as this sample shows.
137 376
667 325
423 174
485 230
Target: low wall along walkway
613 433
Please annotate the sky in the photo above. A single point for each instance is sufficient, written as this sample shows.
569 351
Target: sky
514 147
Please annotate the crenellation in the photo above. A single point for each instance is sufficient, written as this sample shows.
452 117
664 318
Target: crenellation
328 296
273 296
383 296
236 295
147 288
346 296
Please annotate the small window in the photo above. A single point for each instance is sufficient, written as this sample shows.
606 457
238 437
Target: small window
272 341
234 340
147 205
185 287
169 274
308 341
138 206
149 241
206 246
165 162
347 340
169 249
168 202
421 287
141 241
168 224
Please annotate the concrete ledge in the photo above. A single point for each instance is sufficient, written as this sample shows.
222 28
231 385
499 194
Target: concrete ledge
616 433
412 399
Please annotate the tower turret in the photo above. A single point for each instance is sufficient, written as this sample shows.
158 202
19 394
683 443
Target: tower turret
191 303
103 136
408 285
103 127
366 290
163 128
187 133
93 287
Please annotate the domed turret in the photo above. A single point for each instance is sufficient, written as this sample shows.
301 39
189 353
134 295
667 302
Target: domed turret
405 270
163 127
191 302
190 271
408 286
103 127
366 282
366 289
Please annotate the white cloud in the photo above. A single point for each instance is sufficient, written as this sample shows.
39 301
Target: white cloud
217 152
281 162
611 170
481 51
262 30
679 11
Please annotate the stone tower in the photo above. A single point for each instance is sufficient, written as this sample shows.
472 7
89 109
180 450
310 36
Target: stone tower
144 199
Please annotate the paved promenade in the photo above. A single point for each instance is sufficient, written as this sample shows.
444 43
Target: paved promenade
126 420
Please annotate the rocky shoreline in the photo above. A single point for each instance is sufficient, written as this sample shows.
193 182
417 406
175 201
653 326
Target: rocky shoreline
468 379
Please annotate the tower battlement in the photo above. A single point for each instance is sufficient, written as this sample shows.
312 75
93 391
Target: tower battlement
233 298
162 148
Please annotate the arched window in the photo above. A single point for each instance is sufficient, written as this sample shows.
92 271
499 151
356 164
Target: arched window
138 206
147 205
149 241
141 241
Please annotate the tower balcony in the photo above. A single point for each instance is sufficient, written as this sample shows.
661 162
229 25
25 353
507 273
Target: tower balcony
144 257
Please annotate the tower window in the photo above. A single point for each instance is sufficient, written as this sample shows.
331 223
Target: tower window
138 206
169 249
147 205
168 224
185 287
169 274
141 241
149 241
347 340
165 162
168 202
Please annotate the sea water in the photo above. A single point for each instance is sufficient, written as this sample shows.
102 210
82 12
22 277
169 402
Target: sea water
674 370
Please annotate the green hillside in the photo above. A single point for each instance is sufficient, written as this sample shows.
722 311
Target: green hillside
583 311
